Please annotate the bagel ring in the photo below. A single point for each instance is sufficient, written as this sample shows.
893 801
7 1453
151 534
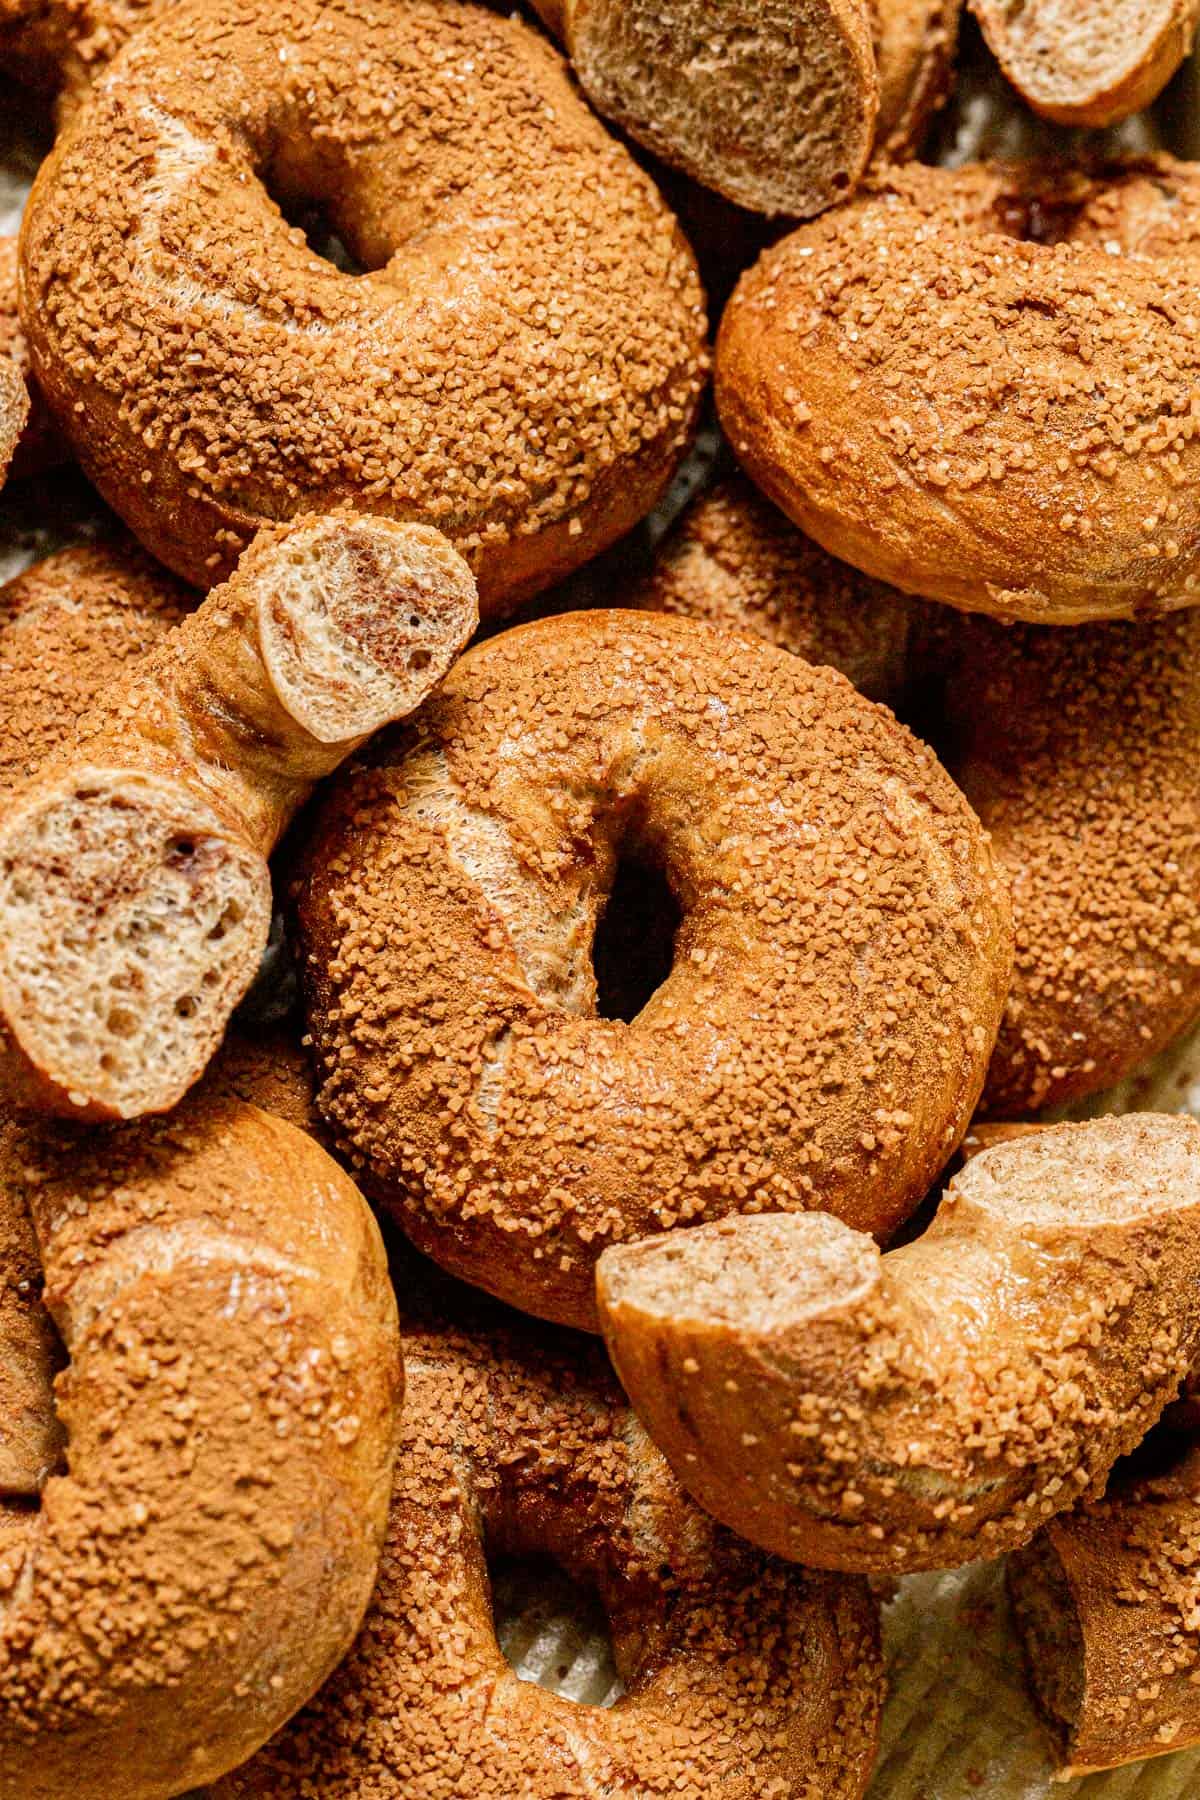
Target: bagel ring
939 1403
744 1676
59 46
981 386
520 366
1076 748
1104 1601
71 626
204 1561
837 977
40 445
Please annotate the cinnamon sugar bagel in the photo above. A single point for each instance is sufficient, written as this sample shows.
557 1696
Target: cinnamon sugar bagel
1104 1601
204 1561
776 104
735 561
743 1677
829 1002
71 626
520 365
14 413
59 46
40 444
939 1403
980 385
1078 750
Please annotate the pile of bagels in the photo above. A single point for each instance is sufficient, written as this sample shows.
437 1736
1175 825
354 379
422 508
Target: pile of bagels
582 835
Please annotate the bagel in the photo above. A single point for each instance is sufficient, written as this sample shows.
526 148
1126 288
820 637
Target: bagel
940 1403
770 102
135 897
31 1439
1078 751
39 445
1104 1601
734 561
204 1563
59 46
777 107
266 1069
71 627
915 45
821 1035
977 385
1076 748
14 414
743 1677
1088 64
520 366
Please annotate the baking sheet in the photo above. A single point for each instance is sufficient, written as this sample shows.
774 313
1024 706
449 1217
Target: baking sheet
958 1723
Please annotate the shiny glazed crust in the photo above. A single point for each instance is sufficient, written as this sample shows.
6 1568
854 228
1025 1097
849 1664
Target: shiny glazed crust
744 1677
972 384
836 982
520 366
941 1402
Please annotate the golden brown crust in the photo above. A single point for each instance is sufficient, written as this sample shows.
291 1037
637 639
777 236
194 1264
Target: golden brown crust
836 979
1089 63
40 445
734 561
744 1677
1077 748
1105 1600
521 367
71 626
956 383
939 1403
230 1411
135 896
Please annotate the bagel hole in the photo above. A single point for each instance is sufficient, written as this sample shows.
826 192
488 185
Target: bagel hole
552 1630
307 214
633 950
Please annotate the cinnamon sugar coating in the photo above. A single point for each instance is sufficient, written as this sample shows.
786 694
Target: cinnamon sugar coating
520 366
40 444
746 1679
836 982
71 627
1106 1601
939 1403
230 1403
31 1440
60 46
14 413
981 385
736 562
1077 748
